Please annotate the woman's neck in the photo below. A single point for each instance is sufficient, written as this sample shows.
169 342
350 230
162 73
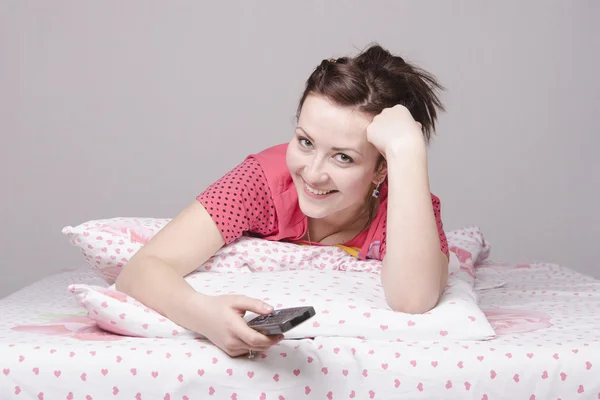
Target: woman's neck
352 223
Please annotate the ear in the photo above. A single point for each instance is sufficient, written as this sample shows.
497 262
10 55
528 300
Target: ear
380 172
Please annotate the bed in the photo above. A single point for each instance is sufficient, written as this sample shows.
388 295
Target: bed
546 320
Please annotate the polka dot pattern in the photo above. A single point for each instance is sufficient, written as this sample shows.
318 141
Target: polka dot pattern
440 227
241 201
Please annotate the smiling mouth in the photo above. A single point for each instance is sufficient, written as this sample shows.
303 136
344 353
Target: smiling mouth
317 192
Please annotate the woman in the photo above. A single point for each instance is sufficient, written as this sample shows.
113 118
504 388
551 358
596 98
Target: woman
354 175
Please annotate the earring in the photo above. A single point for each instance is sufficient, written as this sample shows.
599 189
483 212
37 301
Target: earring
376 191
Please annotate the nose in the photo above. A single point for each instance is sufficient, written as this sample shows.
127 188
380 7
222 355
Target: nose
314 172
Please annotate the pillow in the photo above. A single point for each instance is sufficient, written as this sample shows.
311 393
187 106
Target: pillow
108 244
468 248
346 293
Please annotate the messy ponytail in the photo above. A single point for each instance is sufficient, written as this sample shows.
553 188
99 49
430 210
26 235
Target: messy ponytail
374 80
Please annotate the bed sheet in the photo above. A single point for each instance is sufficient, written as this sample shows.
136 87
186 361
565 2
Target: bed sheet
547 318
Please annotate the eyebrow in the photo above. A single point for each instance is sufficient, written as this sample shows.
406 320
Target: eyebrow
333 148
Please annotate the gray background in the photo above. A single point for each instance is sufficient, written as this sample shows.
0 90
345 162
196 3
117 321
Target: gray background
132 108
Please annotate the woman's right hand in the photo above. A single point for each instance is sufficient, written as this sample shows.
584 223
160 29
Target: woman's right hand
223 323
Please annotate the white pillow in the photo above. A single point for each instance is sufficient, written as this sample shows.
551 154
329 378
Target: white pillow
346 293
108 244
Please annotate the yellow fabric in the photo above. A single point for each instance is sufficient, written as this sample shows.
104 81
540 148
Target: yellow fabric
353 251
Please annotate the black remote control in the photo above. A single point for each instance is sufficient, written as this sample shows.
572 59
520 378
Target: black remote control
282 320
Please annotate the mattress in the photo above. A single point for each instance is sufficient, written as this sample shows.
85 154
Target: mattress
546 317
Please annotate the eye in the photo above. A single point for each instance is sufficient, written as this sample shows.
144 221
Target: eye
345 159
303 142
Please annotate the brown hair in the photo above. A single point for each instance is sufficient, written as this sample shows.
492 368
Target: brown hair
372 81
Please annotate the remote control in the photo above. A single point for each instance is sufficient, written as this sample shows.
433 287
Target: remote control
282 320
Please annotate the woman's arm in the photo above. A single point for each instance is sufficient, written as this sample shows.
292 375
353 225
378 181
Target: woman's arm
155 274
415 270
238 202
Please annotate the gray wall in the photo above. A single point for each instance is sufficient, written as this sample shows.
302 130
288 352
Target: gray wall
132 108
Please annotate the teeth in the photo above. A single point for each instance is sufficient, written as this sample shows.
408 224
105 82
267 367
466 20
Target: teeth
321 192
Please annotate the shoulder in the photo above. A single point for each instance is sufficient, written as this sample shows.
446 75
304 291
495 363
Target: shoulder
272 161
271 156
291 222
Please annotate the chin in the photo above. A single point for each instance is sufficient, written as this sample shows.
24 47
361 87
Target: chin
311 212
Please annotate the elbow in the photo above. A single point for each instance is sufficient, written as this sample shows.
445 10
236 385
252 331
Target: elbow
129 277
125 280
410 308
121 284
420 305
413 296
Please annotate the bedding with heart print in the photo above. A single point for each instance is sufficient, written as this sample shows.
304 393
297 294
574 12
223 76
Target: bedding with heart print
346 293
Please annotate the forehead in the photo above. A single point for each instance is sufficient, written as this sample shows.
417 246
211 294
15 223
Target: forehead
324 120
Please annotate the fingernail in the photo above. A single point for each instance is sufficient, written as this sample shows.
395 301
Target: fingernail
267 307
280 338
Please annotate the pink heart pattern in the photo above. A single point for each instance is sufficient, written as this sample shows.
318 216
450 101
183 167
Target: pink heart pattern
545 346
367 316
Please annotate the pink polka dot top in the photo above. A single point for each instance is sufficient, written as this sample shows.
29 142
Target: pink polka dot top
258 198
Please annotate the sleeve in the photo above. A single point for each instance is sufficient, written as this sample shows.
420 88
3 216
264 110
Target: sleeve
241 202
435 201
440 226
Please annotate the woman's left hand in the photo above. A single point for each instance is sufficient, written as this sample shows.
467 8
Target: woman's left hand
394 126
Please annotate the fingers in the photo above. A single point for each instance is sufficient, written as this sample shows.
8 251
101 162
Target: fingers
248 335
246 303
238 338
236 345
254 339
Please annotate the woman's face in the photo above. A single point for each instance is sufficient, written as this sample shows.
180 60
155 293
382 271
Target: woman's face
330 160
